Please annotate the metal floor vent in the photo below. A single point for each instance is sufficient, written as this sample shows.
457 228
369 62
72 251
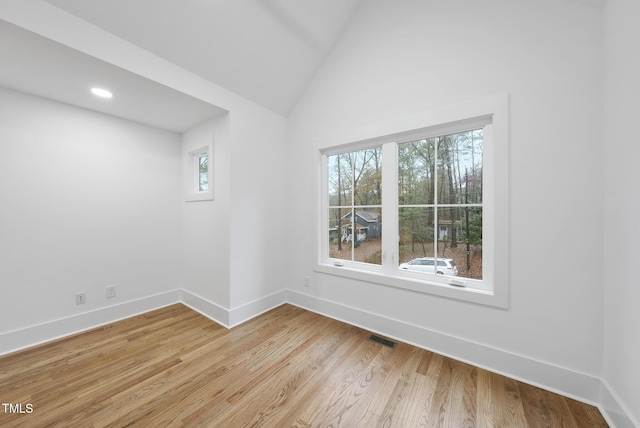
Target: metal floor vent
381 340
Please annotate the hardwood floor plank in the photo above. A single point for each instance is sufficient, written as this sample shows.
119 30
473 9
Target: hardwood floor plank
437 414
498 401
343 387
402 394
237 391
586 416
425 361
396 372
462 396
286 368
425 417
324 371
327 378
545 409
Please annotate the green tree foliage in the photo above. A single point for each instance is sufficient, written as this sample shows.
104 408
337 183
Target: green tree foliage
416 227
436 172
474 232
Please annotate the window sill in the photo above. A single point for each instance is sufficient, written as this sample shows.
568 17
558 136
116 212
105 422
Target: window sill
195 197
422 286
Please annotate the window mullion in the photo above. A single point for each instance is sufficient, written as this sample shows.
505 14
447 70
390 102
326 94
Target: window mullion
446 137
436 201
353 203
390 233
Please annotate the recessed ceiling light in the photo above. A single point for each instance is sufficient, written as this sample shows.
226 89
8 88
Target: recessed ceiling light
103 93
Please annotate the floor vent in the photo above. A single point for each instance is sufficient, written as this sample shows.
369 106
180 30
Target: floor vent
382 341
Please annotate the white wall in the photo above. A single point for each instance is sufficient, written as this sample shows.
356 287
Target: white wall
401 58
259 210
395 59
205 224
234 246
622 204
252 149
88 200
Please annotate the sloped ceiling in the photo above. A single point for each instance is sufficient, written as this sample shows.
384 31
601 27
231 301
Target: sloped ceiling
264 50
36 65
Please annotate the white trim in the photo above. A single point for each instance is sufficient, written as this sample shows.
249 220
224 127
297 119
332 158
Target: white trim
567 382
490 113
27 337
247 311
407 283
230 318
580 386
614 411
209 309
192 194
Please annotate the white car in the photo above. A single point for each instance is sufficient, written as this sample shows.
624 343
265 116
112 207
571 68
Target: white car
427 264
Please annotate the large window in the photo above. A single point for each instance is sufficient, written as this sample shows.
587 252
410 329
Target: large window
423 208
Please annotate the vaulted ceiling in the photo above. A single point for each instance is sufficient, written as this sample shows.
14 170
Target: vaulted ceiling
34 64
263 50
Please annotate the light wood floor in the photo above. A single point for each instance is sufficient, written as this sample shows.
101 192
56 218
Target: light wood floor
286 368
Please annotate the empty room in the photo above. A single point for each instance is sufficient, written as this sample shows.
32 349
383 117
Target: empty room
299 213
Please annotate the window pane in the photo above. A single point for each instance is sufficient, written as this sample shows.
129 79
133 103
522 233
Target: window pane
460 239
368 236
339 240
359 240
367 176
339 173
425 236
416 233
203 162
416 166
203 173
460 168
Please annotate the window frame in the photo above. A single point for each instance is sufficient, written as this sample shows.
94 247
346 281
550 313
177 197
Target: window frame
492 114
193 192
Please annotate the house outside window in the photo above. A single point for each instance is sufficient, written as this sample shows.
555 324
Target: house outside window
354 212
394 204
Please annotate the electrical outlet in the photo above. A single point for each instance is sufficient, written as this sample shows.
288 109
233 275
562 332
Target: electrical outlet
307 281
81 298
111 292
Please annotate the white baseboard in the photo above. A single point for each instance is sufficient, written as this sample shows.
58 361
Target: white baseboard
27 337
243 313
209 309
611 407
563 381
580 386
37 334
231 317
